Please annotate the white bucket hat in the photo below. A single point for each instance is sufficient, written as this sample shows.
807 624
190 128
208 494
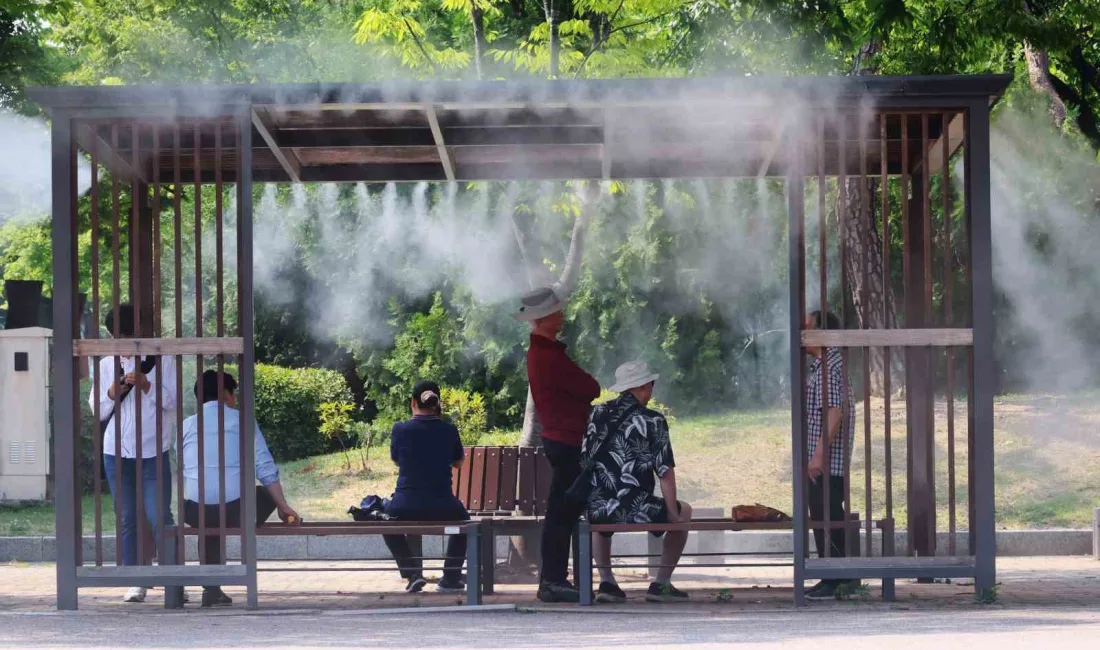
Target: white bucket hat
632 374
539 303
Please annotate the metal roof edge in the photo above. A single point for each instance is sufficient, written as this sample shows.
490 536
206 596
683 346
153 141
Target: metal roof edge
216 98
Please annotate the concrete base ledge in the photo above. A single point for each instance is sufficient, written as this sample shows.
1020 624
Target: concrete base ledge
300 547
427 609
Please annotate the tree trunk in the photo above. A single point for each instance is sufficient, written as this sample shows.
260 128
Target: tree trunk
562 288
1038 76
864 245
532 428
863 242
526 548
555 40
477 15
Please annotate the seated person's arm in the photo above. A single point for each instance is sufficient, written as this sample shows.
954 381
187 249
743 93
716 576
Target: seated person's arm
668 490
661 447
268 475
459 454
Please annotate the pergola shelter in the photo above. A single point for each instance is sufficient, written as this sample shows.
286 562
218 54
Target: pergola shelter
869 135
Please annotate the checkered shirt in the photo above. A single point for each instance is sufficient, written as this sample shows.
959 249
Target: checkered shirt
840 396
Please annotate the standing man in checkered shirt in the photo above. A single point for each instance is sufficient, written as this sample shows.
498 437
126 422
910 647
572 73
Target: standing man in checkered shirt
838 429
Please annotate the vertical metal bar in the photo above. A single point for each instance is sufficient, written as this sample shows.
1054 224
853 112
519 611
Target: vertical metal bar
248 469
978 202
74 362
97 437
197 183
160 537
65 408
926 199
473 559
968 266
116 235
220 293
948 321
907 293
488 557
240 306
824 307
584 570
865 303
796 259
842 216
137 190
177 231
887 366
929 314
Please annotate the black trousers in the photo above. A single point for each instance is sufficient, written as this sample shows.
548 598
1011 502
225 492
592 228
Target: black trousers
838 537
562 513
265 506
408 550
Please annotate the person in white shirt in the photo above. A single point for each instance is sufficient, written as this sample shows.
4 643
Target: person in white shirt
269 494
121 385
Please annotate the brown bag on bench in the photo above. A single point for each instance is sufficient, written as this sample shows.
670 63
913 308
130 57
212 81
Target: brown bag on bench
758 513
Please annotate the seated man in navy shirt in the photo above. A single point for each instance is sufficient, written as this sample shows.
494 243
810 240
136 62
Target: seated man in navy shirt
426 449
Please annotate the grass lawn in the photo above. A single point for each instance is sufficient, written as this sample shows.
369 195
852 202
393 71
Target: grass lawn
1047 463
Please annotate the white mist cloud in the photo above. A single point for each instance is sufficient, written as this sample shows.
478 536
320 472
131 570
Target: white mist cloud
1045 190
25 168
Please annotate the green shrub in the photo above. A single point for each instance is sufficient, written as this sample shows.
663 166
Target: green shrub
336 426
467 411
498 438
607 395
289 406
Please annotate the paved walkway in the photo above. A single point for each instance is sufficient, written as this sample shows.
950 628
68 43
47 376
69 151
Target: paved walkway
1054 582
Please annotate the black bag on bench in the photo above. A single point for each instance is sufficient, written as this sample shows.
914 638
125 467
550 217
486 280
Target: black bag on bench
371 508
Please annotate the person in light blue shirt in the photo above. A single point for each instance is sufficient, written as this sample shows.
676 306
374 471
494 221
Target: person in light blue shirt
204 487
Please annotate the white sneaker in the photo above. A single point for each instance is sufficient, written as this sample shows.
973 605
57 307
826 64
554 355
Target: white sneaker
135 595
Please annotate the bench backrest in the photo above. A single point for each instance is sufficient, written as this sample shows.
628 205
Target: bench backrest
503 479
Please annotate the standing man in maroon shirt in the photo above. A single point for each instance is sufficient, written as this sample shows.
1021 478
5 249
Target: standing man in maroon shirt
563 395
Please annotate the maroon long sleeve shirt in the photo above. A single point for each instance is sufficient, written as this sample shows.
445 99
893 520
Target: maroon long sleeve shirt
563 393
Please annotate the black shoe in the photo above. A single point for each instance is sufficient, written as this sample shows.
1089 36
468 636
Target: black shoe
416 585
659 593
815 588
215 598
823 591
610 593
446 586
558 592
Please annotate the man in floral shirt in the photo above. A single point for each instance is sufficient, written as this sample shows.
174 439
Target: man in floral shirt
630 448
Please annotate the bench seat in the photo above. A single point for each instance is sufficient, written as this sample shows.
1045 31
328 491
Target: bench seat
825 565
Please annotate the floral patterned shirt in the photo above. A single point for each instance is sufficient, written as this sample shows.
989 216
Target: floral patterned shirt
628 460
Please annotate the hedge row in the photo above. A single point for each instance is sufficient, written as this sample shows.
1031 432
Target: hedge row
288 408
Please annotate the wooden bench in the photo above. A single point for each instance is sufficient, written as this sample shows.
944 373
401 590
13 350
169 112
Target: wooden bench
586 530
472 530
505 489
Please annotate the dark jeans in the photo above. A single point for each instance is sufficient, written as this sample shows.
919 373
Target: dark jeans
408 550
562 513
265 505
126 498
838 537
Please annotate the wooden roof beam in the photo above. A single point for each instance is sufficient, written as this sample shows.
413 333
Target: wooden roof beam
88 138
605 149
772 148
287 160
440 144
955 134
